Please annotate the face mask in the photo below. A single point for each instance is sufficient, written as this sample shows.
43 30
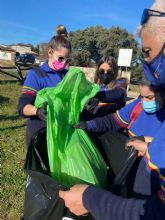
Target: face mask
105 78
151 107
155 71
58 65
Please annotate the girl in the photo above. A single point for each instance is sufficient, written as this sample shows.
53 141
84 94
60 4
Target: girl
49 74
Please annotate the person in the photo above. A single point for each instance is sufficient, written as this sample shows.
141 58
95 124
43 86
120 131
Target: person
106 72
112 95
105 205
106 76
130 121
151 110
47 75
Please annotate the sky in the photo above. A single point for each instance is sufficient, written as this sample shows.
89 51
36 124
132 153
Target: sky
34 21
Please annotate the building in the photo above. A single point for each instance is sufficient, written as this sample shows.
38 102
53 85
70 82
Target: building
7 55
22 48
43 51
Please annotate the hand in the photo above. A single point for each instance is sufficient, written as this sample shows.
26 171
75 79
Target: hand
139 145
41 112
73 199
91 104
82 125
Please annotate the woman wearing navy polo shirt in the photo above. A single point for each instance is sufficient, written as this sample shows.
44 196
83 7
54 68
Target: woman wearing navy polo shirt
48 75
106 76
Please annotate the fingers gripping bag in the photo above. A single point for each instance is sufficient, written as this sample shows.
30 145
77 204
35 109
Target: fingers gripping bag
73 157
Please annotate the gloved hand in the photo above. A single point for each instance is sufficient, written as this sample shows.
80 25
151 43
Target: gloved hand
42 112
82 125
91 104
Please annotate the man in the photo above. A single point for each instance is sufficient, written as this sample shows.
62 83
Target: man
104 205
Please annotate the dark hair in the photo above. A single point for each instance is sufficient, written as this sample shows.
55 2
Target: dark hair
112 63
61 39
154 89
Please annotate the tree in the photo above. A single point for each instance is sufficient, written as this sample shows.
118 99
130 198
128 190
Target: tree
81 58
95 42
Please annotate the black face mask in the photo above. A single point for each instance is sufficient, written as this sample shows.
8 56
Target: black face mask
105 78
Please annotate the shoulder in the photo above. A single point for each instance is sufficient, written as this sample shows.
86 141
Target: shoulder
36 72
131 105
33 80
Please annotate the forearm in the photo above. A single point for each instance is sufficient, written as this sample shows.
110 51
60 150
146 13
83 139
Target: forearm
103 124
111 95
105 205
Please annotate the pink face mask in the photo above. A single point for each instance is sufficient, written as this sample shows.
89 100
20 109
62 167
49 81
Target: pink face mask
58 65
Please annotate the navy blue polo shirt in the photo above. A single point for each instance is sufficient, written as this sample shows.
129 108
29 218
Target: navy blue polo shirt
144 125
37 80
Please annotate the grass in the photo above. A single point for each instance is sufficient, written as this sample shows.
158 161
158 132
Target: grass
12 143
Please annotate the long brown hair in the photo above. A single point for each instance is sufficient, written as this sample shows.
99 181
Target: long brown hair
114 68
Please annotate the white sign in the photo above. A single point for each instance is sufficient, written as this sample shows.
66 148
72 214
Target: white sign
125 57
5 55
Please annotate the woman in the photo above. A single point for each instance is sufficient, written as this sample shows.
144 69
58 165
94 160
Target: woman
47 75
106 73
107 77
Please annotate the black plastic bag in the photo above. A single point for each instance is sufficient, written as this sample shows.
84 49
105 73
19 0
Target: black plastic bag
122 162
41 196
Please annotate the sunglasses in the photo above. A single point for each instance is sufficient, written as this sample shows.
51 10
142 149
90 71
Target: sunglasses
101 71
64 59
61 58
148 12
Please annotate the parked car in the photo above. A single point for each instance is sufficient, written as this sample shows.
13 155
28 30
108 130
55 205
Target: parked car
24 58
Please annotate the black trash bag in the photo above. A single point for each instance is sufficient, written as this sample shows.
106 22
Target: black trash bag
123 163
41 195
124 180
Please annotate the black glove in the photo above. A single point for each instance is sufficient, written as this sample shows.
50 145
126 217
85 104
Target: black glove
41 112
82 125
91 104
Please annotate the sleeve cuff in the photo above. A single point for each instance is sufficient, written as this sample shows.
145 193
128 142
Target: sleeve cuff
91 125
91 197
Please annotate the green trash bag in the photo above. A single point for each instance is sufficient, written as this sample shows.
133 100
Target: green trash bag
73 158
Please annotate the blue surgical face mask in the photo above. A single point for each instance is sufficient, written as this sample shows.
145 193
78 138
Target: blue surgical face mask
155 71
151 106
